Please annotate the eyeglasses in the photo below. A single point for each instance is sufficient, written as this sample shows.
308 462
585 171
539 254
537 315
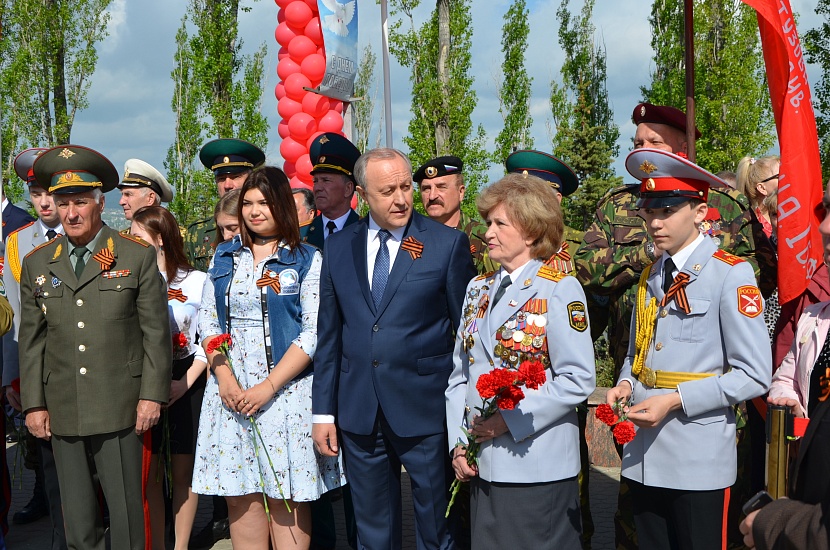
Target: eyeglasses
775 177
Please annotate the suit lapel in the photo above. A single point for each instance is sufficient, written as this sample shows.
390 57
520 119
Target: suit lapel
359 244
403 261
59 265
93 267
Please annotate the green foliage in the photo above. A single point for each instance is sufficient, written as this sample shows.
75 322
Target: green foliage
586 136
817 45
47 55
442 103
514 89
217 94
366 89
732 104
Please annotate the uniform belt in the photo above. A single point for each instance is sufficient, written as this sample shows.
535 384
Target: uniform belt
668 380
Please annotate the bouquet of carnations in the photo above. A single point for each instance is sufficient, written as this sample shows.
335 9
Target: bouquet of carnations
500 389
223 344
614 416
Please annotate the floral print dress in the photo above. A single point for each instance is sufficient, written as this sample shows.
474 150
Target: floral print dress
228 462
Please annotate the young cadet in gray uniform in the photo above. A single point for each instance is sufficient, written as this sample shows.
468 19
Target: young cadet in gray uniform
698 346
95 350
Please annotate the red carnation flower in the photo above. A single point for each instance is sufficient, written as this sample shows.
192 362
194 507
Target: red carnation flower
510 397
532 373
491 383
179 340
606 414
624 432
217 342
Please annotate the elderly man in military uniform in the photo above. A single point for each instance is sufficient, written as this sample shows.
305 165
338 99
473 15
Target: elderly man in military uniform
306 210
142 185
46 493
441 183
95 350
696 350
332 158
230 160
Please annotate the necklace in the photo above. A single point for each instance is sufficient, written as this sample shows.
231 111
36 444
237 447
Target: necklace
265 240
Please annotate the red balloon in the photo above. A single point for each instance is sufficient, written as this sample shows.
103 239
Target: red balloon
313 31
279 91
298 14
295 182
331 122
301 47
291 150
354 201
306 179
287 67
313 5
302 125
284 34
280 16
287 107
336 105
282 129
282 53
304 165
294 85
289 168
312 137
314 67
283 3
315 104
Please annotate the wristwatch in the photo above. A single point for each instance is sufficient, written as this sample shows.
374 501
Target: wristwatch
650 251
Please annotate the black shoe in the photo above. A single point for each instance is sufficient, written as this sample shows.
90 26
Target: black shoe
36 509
212 532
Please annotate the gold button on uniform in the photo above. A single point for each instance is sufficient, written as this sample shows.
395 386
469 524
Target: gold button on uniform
663 313
659 346
82 370
79 302
81 324
82 348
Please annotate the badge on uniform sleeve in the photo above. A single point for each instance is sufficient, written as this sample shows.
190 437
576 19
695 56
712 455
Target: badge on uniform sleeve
576 316
749 301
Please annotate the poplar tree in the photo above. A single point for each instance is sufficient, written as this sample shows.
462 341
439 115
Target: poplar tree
366 89
514 88
817 45
732 105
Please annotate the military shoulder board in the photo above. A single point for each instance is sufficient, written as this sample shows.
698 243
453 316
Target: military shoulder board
727 258
135 239
547 272
482 277
38 247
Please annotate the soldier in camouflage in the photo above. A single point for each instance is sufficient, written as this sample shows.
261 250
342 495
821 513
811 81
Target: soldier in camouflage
616 249
441 182
231 160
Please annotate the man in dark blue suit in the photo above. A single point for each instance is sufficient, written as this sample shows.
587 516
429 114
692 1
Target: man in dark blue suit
391 290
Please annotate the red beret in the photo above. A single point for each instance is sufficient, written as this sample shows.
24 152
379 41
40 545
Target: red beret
661 114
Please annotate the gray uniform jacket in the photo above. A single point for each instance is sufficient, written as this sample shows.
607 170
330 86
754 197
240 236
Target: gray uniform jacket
542 441
724 334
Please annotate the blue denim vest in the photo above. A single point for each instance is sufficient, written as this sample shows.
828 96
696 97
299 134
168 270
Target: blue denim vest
284 309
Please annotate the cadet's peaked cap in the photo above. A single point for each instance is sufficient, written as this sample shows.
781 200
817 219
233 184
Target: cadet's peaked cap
74 169
437 167
668 179
23 163
542 165
230 156
333 153
138 173
661 114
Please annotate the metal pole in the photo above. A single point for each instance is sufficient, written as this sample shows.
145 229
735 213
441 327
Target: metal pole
689 36
387 94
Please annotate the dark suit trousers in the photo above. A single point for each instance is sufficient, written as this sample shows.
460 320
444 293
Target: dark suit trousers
373 468
116 457
675 519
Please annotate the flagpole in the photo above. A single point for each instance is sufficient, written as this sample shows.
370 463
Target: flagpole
387 97
689 37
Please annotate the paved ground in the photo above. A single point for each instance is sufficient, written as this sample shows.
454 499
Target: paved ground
35 536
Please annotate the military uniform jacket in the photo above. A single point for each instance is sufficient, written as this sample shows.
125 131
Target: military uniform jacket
18 245
315 234
91 348
198 243
724 334
542 441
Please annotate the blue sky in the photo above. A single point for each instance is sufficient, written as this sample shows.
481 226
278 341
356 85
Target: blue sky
130 114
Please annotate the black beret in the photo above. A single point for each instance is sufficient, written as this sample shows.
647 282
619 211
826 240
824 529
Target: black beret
441 166
661 114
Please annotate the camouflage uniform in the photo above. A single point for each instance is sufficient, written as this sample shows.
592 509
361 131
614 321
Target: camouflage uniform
478 245
199 243
611 258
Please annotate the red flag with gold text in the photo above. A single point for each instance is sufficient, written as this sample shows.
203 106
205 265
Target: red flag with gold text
800 185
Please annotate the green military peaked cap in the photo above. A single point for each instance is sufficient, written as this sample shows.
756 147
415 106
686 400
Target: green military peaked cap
542 165
333 153
67 169
230 156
